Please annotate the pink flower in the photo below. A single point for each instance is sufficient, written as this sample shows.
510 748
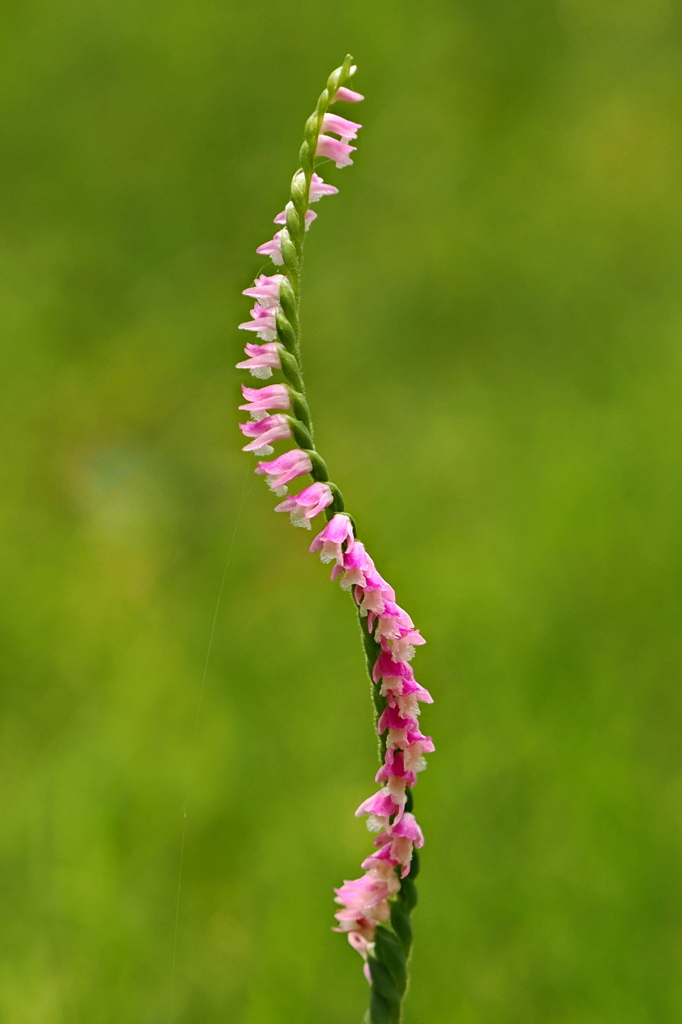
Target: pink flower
409 706
363 921
393 767
383 805
363 893
402 647
402 839
273 249
319 188
337 151
391 718
305 506
263 359
396 845
259 400
266 289
285 468
263 323
329 542
371 597
264 432
340 126
408 828
413 752
409 687
389 621
356 565
385 668
348 95
310 216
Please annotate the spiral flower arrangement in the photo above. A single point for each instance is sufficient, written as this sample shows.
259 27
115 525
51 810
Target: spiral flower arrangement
375 908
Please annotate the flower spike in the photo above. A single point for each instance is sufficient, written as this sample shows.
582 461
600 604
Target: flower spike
375 908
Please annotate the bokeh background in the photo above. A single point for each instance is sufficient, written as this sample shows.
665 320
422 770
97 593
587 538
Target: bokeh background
492 324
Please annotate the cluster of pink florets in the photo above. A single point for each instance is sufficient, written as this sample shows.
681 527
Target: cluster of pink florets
364 901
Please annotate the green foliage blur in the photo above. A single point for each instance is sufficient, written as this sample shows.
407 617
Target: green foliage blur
492 329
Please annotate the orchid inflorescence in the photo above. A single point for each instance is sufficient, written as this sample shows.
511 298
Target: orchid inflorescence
376 907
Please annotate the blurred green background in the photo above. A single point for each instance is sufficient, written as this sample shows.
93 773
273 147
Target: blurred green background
492 324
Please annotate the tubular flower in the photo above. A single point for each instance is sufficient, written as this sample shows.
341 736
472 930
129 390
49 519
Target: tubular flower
264 432
263 359
340 126
273 249
259 400
263 323
331 540
305 506
375 908
348 95
337 151
265 290
285 468
319 188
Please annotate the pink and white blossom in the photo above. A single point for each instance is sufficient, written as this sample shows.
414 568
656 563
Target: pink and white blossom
305 506
356 565
336 150
284 469
259 400
402 647
340 126
396 845
273 249
320 188
385 668
394 768
266 289
363 920
368 891
413 752
329 542
263 323
263 359
372 596
389 621
391 718
265 432
385 804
